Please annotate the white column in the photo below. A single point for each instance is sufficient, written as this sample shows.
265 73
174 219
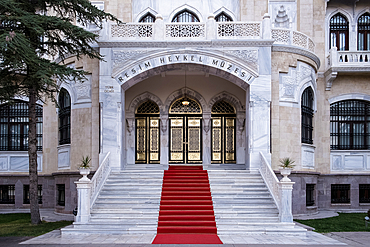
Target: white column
164 139
285 212
159 28
83 205
211 27
266 27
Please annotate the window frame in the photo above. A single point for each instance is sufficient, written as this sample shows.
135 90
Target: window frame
340 119
225 17
364 193
363 29
145 18
340 194
310 195
64 117
61 194
14 124
185 14
7 194
337 29
26 194
307 114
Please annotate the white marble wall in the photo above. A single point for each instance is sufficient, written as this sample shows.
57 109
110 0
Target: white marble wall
350 161
17 162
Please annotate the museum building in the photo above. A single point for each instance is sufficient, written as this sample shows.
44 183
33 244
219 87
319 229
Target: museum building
232 85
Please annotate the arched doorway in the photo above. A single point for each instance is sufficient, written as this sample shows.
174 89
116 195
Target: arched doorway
223 133
185 132
147 136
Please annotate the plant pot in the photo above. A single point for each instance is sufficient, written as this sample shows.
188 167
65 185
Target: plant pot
84 172
285 172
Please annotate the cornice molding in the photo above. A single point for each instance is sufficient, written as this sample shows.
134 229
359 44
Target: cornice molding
299 51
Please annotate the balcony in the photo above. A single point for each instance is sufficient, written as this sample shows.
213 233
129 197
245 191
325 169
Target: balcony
345 62
209 31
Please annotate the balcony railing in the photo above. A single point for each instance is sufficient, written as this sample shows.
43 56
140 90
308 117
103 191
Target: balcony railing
295 38
210 30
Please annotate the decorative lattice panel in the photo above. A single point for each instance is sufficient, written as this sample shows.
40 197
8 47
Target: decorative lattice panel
223 107
281 36
148 107
142 30
239 30
190 30
299 39
177 107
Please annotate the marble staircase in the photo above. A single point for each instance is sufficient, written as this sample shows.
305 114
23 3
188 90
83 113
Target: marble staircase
129 202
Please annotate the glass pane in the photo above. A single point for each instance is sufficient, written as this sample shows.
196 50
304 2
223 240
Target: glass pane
361 41
333 40
342 41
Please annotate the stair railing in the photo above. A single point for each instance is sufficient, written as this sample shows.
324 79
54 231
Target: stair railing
99 178
281 191
270 179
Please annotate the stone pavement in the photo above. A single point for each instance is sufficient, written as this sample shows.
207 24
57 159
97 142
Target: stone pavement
54 238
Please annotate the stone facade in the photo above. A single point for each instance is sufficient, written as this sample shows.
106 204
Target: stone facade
260 63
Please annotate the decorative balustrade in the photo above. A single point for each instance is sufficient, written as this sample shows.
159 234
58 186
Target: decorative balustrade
270 179
239 30
132 30
99 178
356 57
289 37
185 30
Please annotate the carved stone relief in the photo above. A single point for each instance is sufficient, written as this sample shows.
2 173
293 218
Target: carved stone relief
283 14
291 83
121 57
248 56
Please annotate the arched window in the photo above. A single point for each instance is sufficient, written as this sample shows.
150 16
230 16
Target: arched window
350 125
185 16
307 115
147 133
222 17
339 32
14 119
64 102
364 32
147 18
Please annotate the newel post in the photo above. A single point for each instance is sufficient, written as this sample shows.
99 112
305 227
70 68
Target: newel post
159 28
266 27
83 205
285 212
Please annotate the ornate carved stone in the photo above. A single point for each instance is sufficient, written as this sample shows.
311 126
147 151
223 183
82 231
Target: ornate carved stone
120 58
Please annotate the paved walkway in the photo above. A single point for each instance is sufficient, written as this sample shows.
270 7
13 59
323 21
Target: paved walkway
355 239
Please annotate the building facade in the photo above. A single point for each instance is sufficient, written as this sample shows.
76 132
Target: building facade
214 83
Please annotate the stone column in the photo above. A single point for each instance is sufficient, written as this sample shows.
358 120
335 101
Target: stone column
159 28
164 139
207 138
130 140
83 204
211 27
266 27
285 212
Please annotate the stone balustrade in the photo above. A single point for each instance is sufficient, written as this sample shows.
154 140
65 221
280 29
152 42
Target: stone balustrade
209 30
348 58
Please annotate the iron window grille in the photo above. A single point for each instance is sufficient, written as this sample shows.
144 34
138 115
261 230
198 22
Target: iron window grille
310 194
223 17
340 193
26 194
350 125
64 117
61 194
307 116
339 32
364 32
364 193
185 16
14 118
7 194
148 18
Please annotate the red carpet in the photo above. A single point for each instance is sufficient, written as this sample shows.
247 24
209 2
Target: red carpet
186 213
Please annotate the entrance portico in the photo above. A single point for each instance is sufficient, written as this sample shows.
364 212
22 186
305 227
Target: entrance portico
129 78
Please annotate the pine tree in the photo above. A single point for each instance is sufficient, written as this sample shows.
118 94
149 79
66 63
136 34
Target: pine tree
31 33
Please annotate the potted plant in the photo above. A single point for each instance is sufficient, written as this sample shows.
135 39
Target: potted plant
286 167
85 167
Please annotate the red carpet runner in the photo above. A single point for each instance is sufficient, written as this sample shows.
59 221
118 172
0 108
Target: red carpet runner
186 213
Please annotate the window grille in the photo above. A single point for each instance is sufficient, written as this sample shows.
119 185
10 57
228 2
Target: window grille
64 117
147 18
14 119
148 107
223 17
364 32
340 193
339 32
178 108
7 194
350 125
26 194
310 194
364 191
223 107
61 195
185 16
307 115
